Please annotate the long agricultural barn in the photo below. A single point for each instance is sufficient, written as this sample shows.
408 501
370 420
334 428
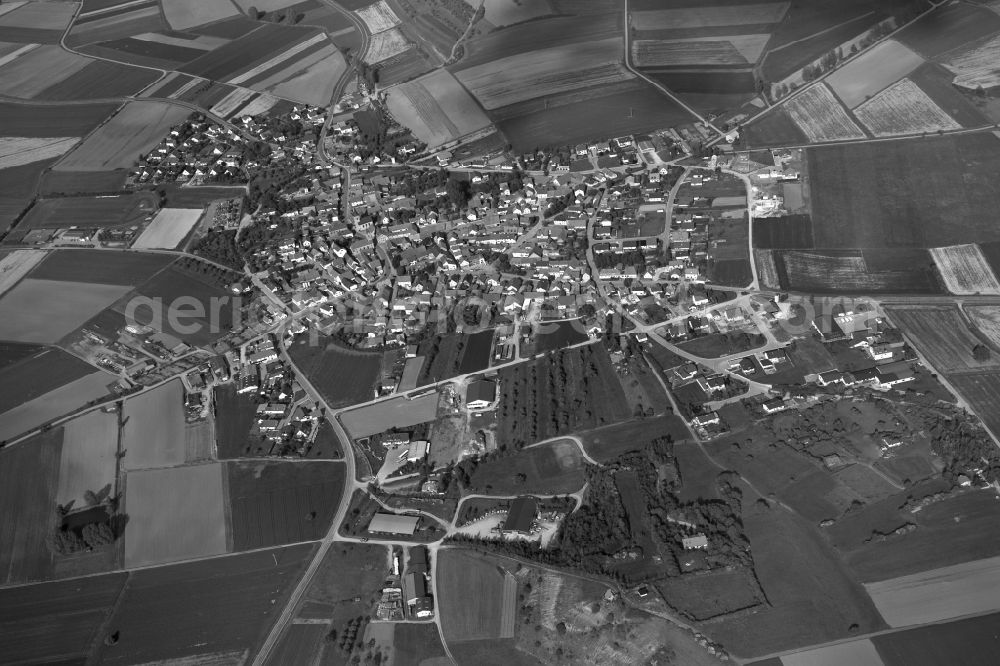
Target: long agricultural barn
390 523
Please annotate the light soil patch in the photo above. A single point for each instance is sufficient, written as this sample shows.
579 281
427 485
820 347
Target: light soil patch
278 59
965 270
731 50
168 228
385 45
882 65
175 514
856 653
987 319
232 101
40 15
709 17
154 427
378 17
54 404
821 117
314 84
262 104
88 456
903 108
203 42
395 413
47 310
13 54
16 265
436 108
546 72
182 14
939 594
978 66
509 12
39 69
16 151
136 129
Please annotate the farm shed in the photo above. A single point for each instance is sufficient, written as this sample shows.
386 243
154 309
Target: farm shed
480 394
522 514
390 523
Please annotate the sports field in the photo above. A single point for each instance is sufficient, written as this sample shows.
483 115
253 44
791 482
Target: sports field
175 513
88 456
929 192
394 413
436 108
168 228
154 429
939 594
134 130
471 596
45 311
880 66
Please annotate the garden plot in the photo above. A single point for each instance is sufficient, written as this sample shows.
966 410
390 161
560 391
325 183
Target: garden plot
709 17
378 17
16 150
168 228
881 66
88 460
546 72
436 108
821 117
965 270
731 50
903 108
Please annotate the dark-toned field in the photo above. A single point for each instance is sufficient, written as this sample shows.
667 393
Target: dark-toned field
46 369
477 352
37 120
55 623
914 193
100 80
85 212
242 54
470 595
101 267
223 605
553 335
300 644
82 182
935 80
982 391
566 391
275 503
609 442
707 596
781 62
414 643
234 414
173 294
328 365
737 82
784 233
774 128
942 335
29 478
893 270
555 468
17 187
971 642
339 598
948 28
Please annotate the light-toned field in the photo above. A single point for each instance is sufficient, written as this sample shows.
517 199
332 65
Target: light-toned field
116 26
546 72
767 269
44 311
977 66
903 108
987 319
436 108
154 431
202 42
939 594
821 117
39 69
965 270
282 57
313 85
855 653
385 45
709 17
182 14
40 15
259 105
16 150
8 7
509 12
54 404
378 17
18 50
731 50
232 101
298 65
16 265
176 513
199 441
471 595
88 456
136 129
168 228
395 413
882 65
266 5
